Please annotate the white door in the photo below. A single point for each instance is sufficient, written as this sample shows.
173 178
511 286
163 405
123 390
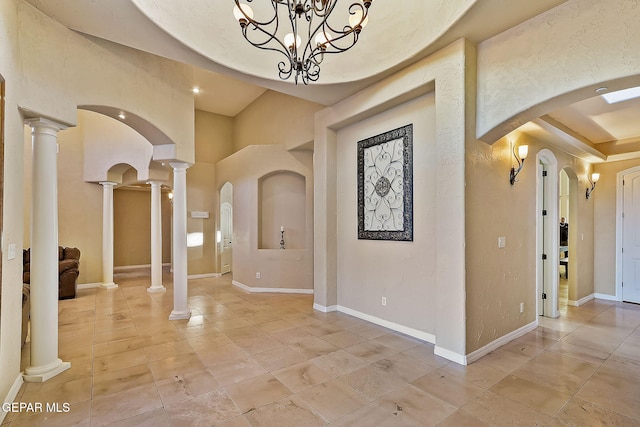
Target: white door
226 228
631 238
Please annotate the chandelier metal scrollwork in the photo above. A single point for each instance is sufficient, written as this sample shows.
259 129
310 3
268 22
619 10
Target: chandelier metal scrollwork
308 19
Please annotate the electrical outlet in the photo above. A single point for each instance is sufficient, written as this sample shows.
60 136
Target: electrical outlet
384 301
502 241
257 275
521 307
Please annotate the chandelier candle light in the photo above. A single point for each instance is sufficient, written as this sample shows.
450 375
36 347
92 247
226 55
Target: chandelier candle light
308 19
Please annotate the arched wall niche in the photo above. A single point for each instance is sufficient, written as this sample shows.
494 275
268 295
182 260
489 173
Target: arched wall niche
281 206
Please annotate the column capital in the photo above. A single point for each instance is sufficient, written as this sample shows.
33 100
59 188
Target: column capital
180 165
155 183
41 122
108 184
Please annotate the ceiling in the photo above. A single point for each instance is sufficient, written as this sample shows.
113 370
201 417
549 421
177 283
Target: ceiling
231 74
592 129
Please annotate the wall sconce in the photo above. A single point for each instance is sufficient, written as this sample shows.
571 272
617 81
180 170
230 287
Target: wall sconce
593 180
523 150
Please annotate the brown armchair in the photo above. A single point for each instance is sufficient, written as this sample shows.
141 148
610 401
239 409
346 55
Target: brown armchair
68 270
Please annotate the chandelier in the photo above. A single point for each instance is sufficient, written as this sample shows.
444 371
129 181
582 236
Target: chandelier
308 19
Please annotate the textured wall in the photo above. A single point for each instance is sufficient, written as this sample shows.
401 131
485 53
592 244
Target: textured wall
289 268
499 279
275 118
403 272
554 59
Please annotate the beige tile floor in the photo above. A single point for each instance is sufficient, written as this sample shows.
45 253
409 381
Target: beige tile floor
271 360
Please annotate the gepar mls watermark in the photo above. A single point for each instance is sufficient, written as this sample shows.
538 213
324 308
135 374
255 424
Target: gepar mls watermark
36 407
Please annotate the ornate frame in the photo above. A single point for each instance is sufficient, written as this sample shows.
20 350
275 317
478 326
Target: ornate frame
385 186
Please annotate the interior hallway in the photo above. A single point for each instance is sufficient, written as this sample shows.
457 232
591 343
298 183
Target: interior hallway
271 360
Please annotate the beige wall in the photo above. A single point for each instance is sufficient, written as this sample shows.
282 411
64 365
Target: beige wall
289 268
403 272
451 72
499 279
132 227
214 135
275 118
12 221
605 205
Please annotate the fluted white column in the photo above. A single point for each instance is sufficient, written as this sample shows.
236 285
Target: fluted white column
180 309
156 238
44 361
107 235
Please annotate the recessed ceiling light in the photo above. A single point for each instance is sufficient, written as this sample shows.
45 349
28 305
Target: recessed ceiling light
196 90
622 95
122 116
601 89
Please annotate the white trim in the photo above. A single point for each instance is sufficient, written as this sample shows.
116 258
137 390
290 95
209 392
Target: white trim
450 355
606 297
546 158
11 396
581 301
88 285
483 351
271 290
619 208
136 267
324 309
415 333
203 276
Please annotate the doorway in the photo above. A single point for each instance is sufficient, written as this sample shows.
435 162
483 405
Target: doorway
568 239
226 228
628 232
547 250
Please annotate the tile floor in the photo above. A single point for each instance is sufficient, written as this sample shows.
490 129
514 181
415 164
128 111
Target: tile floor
271 360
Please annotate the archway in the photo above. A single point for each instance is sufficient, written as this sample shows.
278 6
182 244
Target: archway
568 238
225 233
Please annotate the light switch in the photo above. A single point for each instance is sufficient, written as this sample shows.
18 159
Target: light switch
502 241
11 251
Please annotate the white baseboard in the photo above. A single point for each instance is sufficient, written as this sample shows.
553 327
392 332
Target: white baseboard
458 358
416 333
271 290
11 396
88 285
203 276
137 267
606 297
324 309
580 301
472 357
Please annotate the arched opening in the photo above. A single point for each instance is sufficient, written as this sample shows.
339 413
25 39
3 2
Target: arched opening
224 234
568 240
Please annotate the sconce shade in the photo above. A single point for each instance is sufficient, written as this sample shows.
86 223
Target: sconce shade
523 150
595 177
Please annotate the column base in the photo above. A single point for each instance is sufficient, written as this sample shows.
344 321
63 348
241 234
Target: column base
39 374
108 285
180 315
155 289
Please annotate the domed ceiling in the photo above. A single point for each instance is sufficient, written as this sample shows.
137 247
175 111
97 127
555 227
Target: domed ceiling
204 33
